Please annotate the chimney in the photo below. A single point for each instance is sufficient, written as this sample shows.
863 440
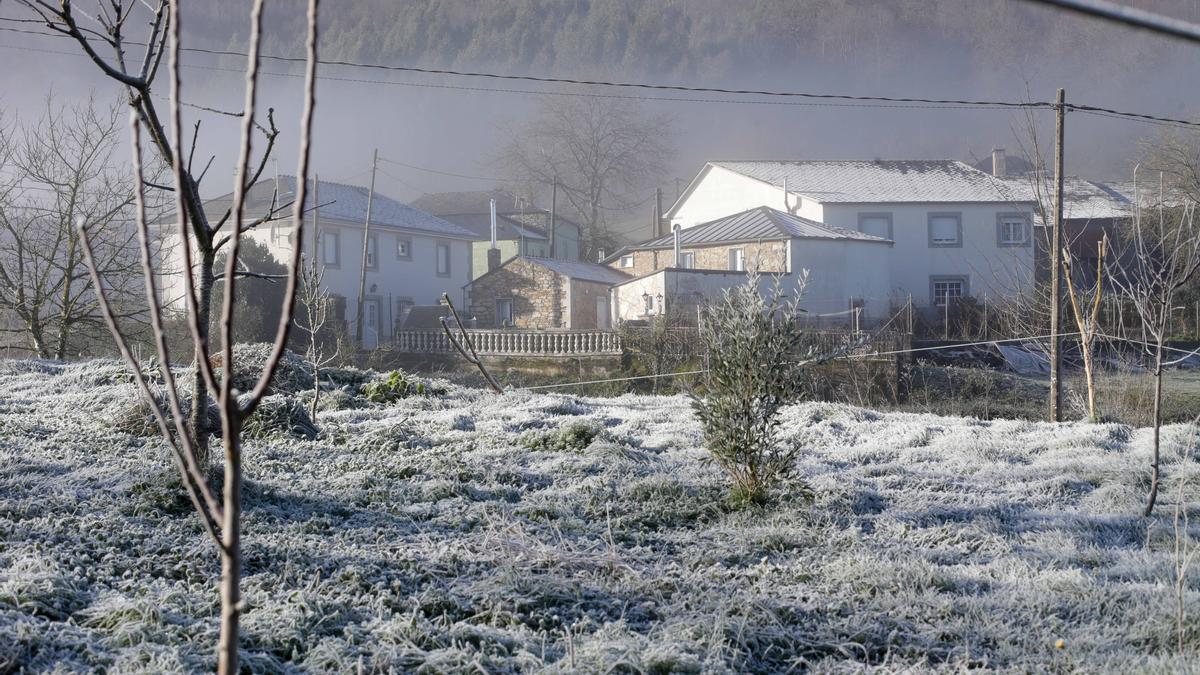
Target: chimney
492 210
493 258
678 250
787 208
999 168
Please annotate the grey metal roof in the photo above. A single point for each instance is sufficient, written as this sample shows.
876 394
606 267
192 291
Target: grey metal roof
1082 199
577 269
878 181
761 223
342 202
506 228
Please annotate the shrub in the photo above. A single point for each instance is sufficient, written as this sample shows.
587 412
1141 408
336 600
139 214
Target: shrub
280 415
395 386
754 344
293 375
573 437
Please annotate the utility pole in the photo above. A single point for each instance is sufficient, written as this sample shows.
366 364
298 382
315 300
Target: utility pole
1056 282
316 218
362 273
553 209
658 212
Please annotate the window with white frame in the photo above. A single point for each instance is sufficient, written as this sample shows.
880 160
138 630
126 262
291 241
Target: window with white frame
626 261
737 259
404 248
372 259
443 259
687 260
504 312
1012 229
947 289
330 244
875 224
945 229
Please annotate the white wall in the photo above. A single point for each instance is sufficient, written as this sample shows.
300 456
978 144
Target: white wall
413 279
722 192
990 269
841 270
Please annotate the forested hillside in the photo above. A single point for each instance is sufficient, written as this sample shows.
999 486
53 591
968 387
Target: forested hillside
706 38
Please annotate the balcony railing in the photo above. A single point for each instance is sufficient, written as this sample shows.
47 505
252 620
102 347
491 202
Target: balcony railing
514 342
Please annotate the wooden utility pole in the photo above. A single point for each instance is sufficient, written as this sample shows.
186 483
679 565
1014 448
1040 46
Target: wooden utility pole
553 209
658 231
1056 282
362 273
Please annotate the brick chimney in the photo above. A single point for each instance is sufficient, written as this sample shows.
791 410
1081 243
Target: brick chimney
999 165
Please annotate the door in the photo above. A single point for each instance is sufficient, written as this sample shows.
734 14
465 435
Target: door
370 324
603 318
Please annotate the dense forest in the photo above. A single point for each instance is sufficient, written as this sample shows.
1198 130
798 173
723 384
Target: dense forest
690 39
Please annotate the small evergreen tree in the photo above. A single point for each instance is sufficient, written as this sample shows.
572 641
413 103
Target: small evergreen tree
754 349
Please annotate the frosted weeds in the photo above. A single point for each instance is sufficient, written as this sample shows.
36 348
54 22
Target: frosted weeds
428 535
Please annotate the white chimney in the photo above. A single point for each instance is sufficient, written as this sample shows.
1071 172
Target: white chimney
492 207
786 207
678 250
999 163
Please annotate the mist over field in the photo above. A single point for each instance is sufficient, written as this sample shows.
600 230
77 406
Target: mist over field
908 49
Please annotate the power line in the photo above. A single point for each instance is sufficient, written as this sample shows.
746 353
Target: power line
851 99
1130 16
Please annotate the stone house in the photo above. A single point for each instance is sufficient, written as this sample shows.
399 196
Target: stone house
847 269
541 293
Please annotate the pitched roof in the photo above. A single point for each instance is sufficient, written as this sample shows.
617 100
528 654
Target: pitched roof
1082 199
761 223
583 271
454 203
506 228
877 181
342 202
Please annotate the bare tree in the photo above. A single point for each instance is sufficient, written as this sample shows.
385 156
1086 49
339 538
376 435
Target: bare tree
1087 319
314 300
63 170
603 153
221 518
1165 257
105 29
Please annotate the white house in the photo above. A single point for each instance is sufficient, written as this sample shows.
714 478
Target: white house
957 231
848 270
412 257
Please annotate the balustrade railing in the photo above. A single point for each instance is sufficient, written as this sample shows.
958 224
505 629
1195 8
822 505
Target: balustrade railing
514 342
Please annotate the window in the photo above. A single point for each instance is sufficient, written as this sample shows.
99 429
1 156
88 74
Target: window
687 260
945 230
504 312
403 307
404 248
372 314
1012 229
372 260
626 261
330 255
737 259
443 259
946 289
876 224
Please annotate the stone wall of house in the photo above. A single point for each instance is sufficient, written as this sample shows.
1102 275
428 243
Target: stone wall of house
771 256
583 300
536 293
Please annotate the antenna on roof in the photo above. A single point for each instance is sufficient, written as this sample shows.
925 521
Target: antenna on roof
786 207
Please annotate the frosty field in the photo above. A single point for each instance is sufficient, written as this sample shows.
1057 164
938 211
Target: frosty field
463 533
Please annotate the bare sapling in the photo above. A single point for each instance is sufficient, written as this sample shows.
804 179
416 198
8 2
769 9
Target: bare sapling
314 300
207 233
1087 319
1165 256
221 516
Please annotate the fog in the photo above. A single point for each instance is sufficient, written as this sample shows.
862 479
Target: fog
448 124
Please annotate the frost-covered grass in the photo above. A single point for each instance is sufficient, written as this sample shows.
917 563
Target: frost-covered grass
472 532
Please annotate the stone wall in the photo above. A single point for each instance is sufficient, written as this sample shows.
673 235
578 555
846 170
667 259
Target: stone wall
583 298
536 293
771 256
